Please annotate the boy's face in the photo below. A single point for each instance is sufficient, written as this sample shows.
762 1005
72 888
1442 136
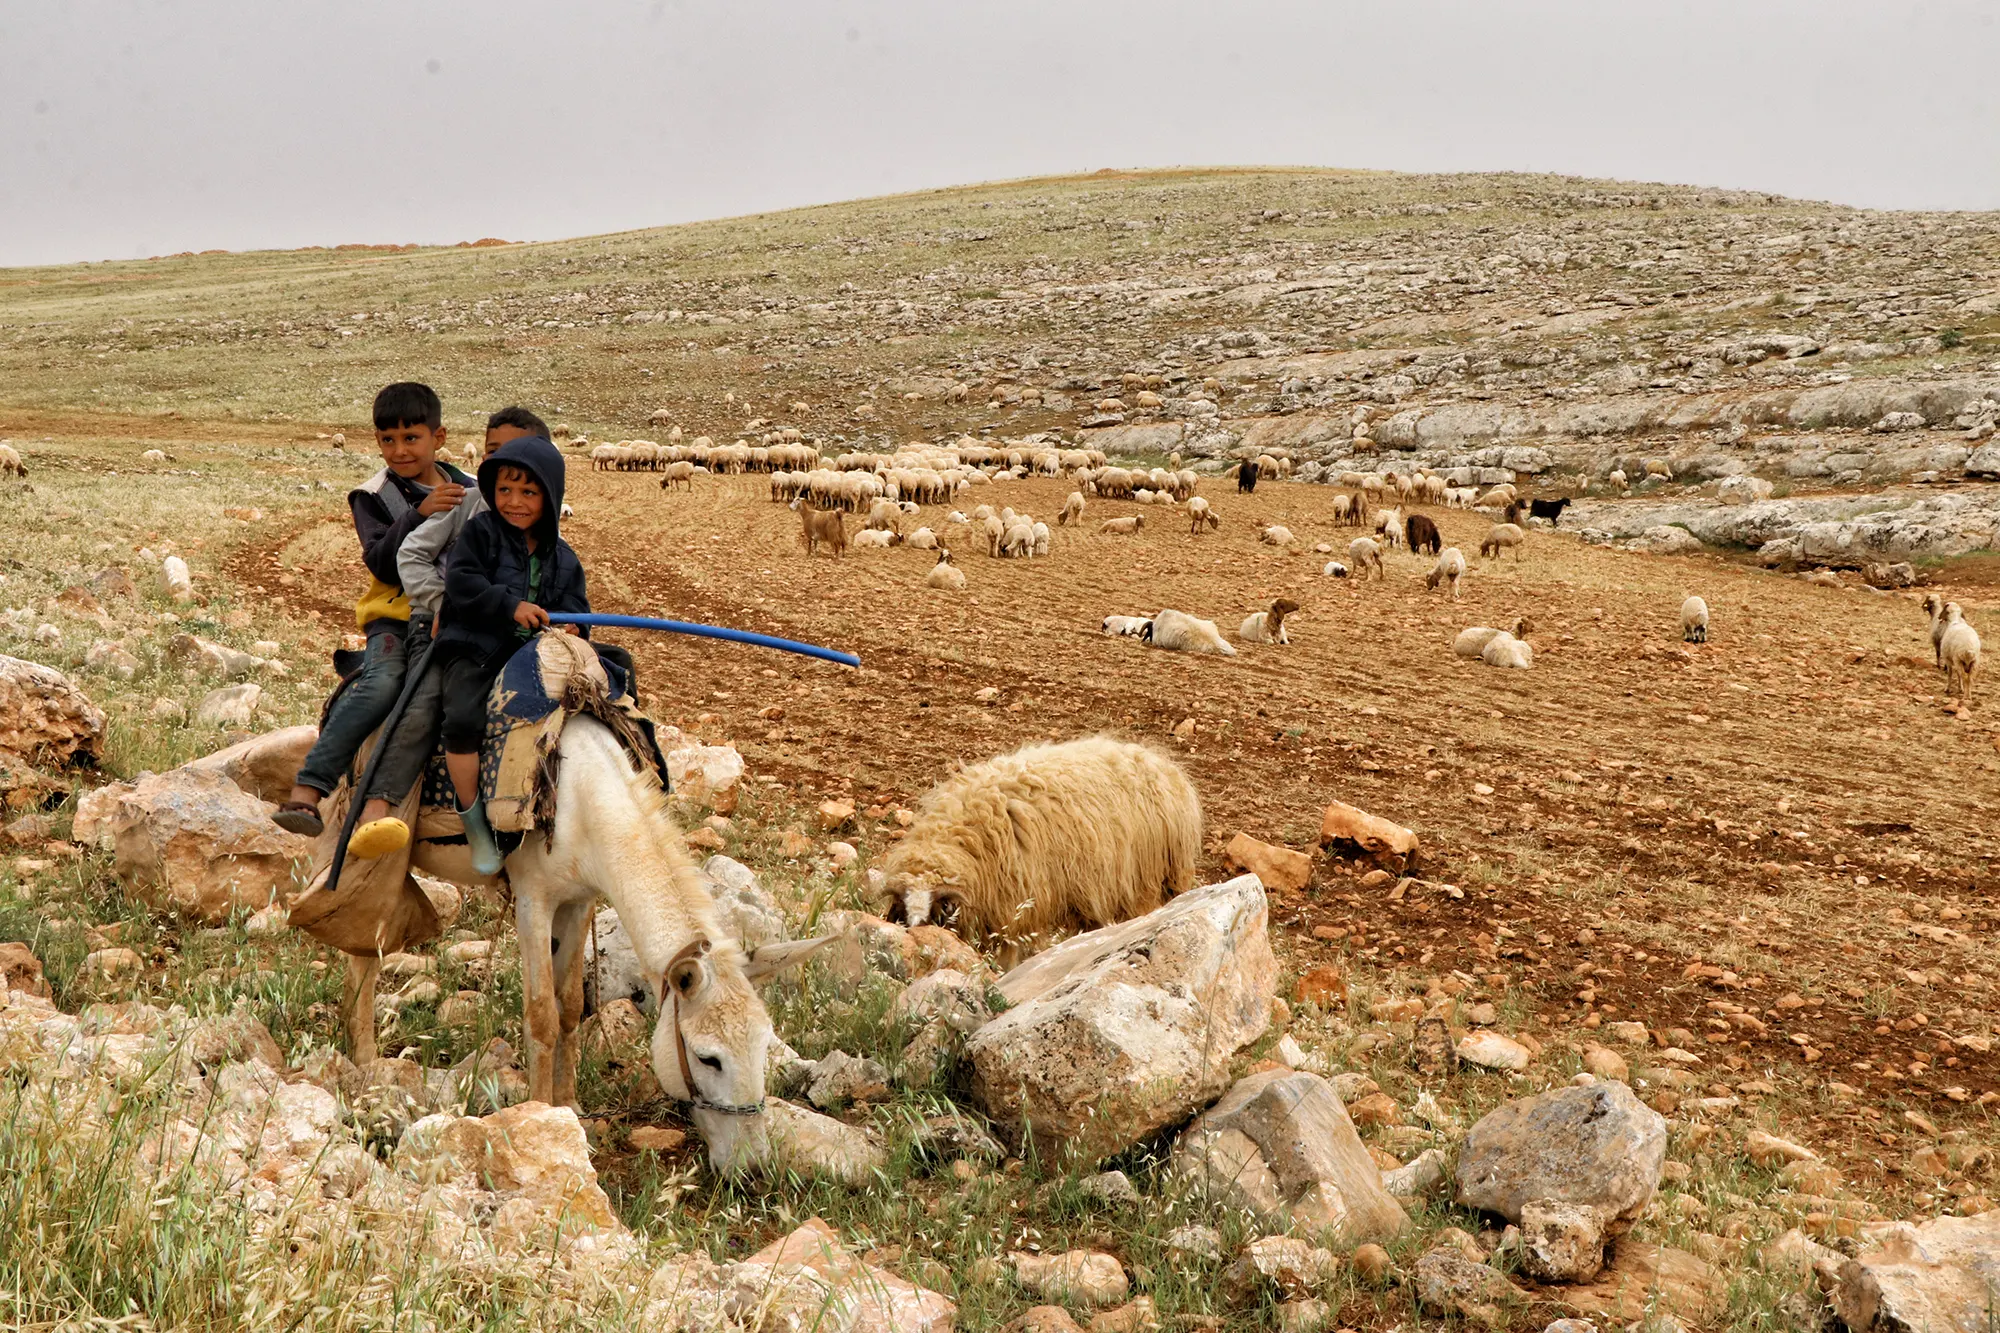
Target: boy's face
499 435
517 498
410 451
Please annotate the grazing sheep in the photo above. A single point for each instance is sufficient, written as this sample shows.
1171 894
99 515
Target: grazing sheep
1246 476
154 456
1389 527
821 526
1268 626
1123 526
876 537
678 474
1041 534
1449 569
1420 534
1960 647
1934 608
1334 570
1472 641
1616 478
1276 535
1504 650
1018 542
1365 555
1180 632
945 574
1049 840
994 529
1694 621
1343 510
1659 467
1499 537
10 462
1072 510
1201 517
1125 627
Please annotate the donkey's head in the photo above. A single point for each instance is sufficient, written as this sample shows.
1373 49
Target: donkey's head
713 1037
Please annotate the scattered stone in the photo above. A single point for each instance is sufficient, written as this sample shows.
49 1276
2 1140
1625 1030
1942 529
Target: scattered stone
1043 1319
1372 1265
835 815
1416 1179
809 1280
813 1144
1278 868
1607 1064
210 658
710 775
1596 1146
657 1138
1344 826
1937 1275
954 1137
1281 1144
110 964
1139 1315
112 658
1303 1316
1114 1034
1770 1150
1449 1283
232 706
1292 1266
1645 1281
1085 1276
44 720
1561 1242
839 1078
1324 986
1490 1050
21 971
1199 1241
1110 1187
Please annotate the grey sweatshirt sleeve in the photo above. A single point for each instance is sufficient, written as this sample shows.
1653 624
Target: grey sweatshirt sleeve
421 559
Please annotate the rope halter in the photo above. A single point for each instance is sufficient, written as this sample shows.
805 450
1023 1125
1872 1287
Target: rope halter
694 950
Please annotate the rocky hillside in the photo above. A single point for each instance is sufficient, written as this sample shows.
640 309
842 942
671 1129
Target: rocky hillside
1547 327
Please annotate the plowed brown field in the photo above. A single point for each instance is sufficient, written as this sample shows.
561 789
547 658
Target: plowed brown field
1787 807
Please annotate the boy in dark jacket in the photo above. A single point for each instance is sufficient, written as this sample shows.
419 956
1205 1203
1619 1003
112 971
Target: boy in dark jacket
508 571
409 429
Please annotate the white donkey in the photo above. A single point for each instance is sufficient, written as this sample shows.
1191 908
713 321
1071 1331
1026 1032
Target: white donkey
614 839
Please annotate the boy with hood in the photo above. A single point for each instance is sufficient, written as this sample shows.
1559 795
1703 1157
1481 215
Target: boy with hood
509 569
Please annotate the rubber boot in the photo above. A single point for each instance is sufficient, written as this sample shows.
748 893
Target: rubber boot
486 858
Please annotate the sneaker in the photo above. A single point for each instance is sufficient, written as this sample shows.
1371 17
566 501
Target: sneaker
300 818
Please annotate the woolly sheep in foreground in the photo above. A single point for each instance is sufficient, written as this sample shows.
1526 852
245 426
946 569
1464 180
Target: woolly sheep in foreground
1471 641
1365 555
10 462
1504 650
1179 632
1072 510
1960 648
1127 627
1934 608
1449 569
1268 626
1041 533
1047 841
1694 620
1200 516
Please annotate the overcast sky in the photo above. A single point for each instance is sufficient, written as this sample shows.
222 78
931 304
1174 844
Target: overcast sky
140 127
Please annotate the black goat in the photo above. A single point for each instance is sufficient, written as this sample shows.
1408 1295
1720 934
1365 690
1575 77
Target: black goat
1246 475
1548 509
1422 535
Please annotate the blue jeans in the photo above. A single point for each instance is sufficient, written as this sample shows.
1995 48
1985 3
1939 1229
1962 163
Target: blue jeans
358 708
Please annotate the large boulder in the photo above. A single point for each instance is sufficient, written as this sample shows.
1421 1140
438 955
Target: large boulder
532 1152
1597 1146
1280 1144
194 841
44 721
1942 1277
1119 1032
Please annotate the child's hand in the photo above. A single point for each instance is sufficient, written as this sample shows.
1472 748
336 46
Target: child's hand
442 497
529 616
569 629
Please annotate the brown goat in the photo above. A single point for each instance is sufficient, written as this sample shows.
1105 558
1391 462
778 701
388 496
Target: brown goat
821 525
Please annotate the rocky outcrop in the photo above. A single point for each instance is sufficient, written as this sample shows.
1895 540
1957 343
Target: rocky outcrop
1118 1032
1281 1145
45 722
1844 531
193 841
1942 1276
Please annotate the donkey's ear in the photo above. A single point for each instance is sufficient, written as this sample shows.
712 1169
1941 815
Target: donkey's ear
772 959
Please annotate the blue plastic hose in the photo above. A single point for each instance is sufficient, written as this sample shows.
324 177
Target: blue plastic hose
597 621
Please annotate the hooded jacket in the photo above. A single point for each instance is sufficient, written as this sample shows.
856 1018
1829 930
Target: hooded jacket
486 576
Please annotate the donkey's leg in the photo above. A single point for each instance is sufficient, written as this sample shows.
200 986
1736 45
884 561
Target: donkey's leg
540 1019
357 1007
572 924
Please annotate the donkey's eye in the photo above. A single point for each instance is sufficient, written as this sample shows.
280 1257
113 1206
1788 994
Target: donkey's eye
709 1062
